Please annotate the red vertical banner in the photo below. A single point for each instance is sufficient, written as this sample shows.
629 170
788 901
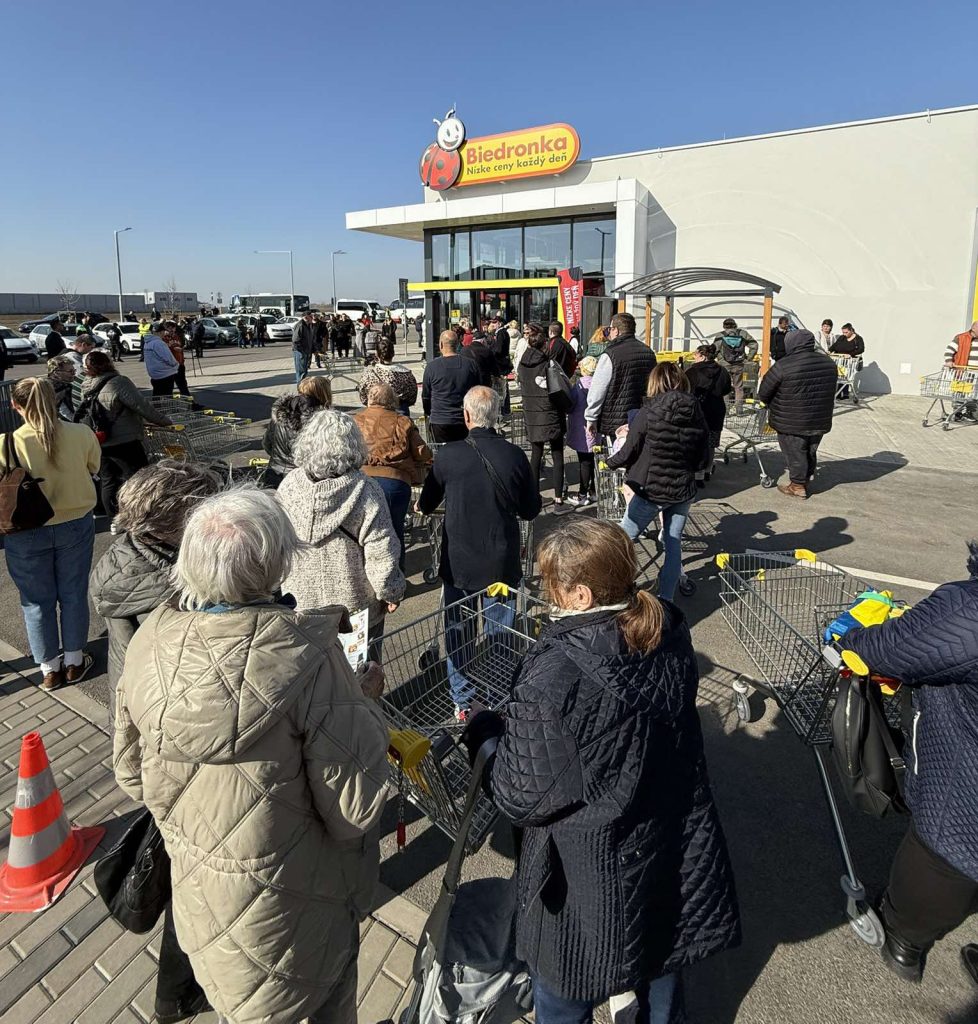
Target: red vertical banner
570 292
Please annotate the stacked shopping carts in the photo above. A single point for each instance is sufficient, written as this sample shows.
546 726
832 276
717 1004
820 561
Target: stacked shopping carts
751 431
204 435
955 389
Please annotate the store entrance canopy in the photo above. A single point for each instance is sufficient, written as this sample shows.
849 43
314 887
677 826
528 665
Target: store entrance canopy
702 283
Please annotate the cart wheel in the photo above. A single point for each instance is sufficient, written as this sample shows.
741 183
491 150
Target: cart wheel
430 574
726 459
945 426
867 925
767 481
687 587
750 706
428 660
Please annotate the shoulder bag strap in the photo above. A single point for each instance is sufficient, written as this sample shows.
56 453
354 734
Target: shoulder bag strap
10 459
497 483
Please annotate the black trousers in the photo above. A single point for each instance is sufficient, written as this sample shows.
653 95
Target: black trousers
800 455
557 454
119 462
175 983
926 897
181 381
164 385
585 462
442 433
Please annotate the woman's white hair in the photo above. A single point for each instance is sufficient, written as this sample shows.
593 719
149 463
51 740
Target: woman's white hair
329 445
237 547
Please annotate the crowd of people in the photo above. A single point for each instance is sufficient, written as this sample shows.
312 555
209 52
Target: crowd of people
265 767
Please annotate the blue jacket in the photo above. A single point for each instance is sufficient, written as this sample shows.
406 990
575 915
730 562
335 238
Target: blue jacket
934 649
160 361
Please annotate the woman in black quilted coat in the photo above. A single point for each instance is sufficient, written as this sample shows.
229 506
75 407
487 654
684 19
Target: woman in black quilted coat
710 384
545 424
289 414
668 443
623 876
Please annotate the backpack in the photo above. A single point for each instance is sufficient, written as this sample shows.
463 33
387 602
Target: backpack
23 505
734 348
94 415
867 750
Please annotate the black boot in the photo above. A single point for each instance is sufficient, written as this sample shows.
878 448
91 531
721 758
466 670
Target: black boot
904 960
969 957
173 1012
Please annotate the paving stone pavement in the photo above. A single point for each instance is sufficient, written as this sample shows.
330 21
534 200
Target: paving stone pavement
72 964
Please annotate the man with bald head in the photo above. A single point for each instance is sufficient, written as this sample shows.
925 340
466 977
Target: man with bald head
443 389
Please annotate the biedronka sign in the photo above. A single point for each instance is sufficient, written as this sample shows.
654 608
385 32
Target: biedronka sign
452 160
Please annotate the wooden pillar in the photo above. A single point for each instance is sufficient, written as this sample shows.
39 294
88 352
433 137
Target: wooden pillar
667 321
621 306
766 333
648 321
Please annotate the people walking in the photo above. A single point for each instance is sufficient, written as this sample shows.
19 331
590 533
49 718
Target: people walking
546 424
397 376
289 414
623 877
577 433
197 336
933 886
778 334
799 391
115 343
173 337
620 379
710 384
735 348
668 443
849 344
265 769
50 564
352 553
444 386
487 487
261 332
397 457
303 344
144 329
161 365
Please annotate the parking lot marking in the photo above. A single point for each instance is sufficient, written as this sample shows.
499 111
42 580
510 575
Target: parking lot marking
900 581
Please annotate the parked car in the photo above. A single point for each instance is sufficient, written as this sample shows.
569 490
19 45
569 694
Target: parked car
131 338
355 308
28 325
281 330
19 348
219 330
414 309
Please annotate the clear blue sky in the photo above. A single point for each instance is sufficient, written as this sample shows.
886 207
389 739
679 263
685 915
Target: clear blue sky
215 128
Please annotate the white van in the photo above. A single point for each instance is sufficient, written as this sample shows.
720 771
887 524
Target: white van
413 309
355 308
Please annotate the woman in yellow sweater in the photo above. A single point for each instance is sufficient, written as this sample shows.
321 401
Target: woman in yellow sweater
50 564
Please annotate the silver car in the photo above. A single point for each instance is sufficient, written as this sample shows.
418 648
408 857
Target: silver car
19 348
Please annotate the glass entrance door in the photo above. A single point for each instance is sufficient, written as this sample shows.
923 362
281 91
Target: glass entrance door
508 303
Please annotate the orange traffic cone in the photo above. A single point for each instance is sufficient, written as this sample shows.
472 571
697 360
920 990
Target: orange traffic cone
45 852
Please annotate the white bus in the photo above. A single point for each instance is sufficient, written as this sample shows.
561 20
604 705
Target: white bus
259 302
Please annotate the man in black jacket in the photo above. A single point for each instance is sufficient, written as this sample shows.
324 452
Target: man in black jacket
486 485
800 393
483 357
778 334
54 343
619 381
446 381
304 344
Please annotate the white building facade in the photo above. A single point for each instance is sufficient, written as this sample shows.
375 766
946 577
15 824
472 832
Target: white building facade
873 223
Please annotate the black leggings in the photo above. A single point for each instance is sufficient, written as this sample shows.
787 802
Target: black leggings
557 454
585 462
119 462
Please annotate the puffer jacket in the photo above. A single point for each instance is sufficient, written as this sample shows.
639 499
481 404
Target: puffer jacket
933 648
800 388
711 383
128 582
395 449
246 735
624 873
667 443
126 407
289 413
544 422
353 560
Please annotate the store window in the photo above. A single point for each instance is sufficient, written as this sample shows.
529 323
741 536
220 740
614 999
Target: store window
441 256
461 264
546 249
594 250
543 305
497 253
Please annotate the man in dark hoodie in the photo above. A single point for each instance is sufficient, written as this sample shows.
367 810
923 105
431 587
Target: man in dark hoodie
800 393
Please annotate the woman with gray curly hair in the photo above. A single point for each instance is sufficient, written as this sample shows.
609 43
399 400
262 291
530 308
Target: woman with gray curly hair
352 552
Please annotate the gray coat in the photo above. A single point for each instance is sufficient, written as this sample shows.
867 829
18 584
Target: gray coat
127 407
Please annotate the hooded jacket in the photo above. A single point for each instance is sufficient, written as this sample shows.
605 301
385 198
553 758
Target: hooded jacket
128 582
933 648
126 407
246 735
800 388
711 383
624 873
668 442
353 560
544 422
289 413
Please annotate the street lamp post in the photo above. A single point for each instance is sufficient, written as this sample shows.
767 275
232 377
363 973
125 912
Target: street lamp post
282 252
332 260
118 267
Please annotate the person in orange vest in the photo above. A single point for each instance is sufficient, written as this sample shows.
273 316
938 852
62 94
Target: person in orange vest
962 353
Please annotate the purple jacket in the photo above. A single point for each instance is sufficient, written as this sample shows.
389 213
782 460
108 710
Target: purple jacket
575 418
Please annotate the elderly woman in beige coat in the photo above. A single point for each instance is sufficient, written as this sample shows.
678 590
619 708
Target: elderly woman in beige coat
242 728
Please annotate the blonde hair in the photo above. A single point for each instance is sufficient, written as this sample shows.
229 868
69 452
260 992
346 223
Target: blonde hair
36 399
318 389
666 377
600 556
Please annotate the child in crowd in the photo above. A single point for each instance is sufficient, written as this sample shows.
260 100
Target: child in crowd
576 433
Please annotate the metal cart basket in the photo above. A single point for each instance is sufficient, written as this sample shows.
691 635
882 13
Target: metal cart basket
205 440
750 430
436 528
849 368
491 636
778 605
954 389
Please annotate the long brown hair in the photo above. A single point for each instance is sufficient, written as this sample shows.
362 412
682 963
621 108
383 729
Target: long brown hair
666 377
600 556
39 407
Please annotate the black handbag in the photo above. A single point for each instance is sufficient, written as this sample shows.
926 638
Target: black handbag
133 878
23 505
559 388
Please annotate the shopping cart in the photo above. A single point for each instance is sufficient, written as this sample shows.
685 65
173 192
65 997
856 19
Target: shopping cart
848 367
955 389
436 527
206 440
750 429
513 428
428 767
778 605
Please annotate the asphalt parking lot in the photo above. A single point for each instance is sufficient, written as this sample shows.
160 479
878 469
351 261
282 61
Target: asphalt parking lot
893 505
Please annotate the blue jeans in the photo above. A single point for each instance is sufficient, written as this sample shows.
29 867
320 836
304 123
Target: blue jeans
654 1004
398 495
639 516
50 567
301 360
461 634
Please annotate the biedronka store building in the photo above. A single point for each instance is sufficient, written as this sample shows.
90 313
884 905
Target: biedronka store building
871 222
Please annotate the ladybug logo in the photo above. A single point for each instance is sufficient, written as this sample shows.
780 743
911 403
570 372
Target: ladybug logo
441 163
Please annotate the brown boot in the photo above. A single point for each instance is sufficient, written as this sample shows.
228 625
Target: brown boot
793 490
53 680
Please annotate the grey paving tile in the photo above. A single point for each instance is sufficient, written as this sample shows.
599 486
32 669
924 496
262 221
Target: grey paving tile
400 962
8 960
88 918
373 949
379 1001
128 1016
80 959
29 971
129 945
13 924
144 1002
116 803
28 1008
47 923
66 1008
117 996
